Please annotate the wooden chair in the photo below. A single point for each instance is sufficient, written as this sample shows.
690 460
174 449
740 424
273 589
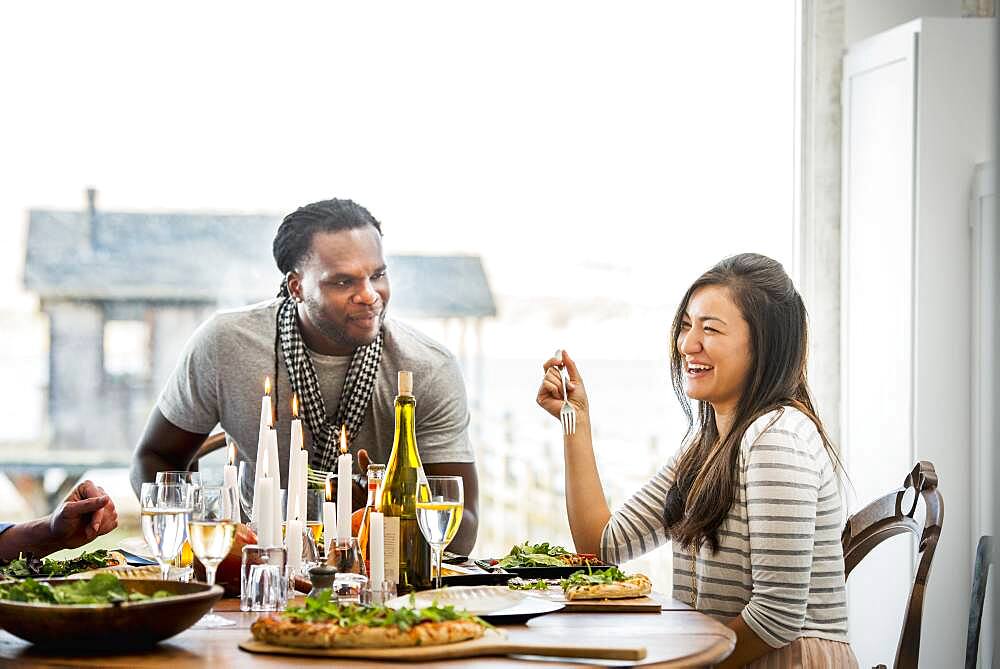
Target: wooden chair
984 558
891 515
211 444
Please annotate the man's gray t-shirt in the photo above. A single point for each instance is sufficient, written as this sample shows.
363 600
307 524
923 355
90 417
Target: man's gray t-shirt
219 380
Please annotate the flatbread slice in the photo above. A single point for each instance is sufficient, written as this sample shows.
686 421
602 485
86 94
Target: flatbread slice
124 571
634 586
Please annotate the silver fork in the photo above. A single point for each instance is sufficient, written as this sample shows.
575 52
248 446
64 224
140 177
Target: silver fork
567 415
317 478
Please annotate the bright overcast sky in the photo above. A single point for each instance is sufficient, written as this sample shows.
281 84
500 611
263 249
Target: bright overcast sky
654 136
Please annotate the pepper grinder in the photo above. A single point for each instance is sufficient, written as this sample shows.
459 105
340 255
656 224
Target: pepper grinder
322 578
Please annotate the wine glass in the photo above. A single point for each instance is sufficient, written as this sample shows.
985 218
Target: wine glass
245 476
184 558
163 518
212 527
440 500
178 477
312 522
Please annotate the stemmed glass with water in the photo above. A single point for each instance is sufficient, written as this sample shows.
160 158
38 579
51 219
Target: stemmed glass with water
215 512
163 517
184 559
440 501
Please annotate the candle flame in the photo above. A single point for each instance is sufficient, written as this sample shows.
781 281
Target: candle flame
329 488
232 454
267 385
343 439
295 405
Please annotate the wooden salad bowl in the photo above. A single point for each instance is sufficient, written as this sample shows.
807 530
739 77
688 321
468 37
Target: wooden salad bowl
111 626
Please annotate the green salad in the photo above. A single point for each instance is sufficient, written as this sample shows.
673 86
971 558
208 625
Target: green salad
534 555
101 589
320 609
28 566
609 575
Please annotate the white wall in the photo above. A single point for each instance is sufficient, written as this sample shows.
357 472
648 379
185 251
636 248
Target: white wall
864 18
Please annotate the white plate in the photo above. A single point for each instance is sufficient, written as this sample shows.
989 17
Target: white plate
478 600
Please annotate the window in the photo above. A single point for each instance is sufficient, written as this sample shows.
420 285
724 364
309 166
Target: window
126 349
596 158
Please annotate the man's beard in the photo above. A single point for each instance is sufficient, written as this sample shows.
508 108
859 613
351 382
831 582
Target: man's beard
337 334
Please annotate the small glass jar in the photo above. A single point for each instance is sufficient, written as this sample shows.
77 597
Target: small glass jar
351 576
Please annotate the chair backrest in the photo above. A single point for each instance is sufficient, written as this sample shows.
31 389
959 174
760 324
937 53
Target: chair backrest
984 558
211 444
891 515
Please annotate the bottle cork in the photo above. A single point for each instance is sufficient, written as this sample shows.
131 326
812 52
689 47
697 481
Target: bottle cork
405 380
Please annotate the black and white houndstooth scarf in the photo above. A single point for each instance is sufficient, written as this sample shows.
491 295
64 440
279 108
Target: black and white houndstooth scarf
354 398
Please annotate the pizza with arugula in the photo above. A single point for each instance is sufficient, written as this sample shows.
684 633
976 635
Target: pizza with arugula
321 623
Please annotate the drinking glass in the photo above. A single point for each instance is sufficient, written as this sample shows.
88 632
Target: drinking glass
263 583
184 560
314 514
163 517
440 500
212 527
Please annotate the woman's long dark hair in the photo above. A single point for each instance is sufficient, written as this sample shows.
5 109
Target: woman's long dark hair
708 468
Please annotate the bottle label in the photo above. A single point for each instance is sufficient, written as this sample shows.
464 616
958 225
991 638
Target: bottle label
391 533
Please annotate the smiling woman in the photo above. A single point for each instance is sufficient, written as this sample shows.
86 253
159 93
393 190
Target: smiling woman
714 341
752 501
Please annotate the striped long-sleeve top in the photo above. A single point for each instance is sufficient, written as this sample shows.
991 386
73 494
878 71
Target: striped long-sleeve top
780 564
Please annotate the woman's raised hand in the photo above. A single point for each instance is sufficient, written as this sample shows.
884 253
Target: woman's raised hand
550 395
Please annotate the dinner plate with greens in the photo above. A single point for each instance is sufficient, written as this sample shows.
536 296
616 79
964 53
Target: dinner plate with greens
542 560
29 566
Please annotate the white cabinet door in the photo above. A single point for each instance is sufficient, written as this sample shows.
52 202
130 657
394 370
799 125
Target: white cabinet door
877 308
985 374
918 104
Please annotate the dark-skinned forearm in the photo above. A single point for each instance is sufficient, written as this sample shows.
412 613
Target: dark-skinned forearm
146 464
465 540
162 447
33 536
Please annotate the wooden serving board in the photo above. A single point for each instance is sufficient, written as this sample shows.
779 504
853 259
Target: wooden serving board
631 605
493 643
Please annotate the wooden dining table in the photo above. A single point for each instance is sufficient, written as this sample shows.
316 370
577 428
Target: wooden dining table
677 636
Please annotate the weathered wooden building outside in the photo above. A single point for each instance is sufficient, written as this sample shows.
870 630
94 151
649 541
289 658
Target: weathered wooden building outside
123 291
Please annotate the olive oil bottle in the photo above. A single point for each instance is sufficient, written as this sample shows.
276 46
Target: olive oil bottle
407 553
375 475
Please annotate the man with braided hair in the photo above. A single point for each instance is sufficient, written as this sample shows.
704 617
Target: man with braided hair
327 339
